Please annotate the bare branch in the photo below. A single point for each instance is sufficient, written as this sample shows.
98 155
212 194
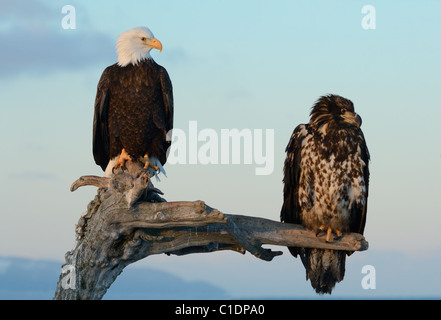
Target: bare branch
122 225
96 181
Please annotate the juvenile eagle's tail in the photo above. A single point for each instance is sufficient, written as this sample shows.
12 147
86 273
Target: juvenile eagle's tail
324 268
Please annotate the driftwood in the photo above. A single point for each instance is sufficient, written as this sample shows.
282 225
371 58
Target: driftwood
128 220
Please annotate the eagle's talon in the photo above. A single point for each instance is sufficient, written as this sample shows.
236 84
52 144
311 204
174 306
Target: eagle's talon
321 230
318 233
147 163
336 234
336 238
119 166
123 158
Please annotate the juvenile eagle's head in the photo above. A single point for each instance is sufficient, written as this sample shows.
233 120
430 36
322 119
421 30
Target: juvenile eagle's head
334 111
134 45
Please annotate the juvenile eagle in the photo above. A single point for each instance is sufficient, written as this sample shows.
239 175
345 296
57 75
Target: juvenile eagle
133 106
326 183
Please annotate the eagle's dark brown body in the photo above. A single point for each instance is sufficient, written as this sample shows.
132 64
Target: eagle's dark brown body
134 111
326 182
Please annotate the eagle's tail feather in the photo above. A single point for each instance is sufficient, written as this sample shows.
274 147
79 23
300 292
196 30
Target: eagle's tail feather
324 268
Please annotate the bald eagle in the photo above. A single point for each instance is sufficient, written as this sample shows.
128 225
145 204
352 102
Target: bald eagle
133 106
326 183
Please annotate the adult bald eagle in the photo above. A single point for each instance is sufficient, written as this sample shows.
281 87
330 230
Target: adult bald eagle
133 106
326 182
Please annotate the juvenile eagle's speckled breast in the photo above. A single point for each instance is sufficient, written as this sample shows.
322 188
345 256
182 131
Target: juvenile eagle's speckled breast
331 179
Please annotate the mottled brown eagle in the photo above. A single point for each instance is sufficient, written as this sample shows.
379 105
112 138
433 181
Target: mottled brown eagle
326 184
133 106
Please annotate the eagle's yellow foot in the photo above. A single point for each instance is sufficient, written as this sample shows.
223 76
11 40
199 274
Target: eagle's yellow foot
123 158
147 163
337 233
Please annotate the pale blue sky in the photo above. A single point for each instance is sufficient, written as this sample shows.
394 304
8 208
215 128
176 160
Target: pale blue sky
233 64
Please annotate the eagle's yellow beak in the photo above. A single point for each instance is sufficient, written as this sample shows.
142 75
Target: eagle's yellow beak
154 43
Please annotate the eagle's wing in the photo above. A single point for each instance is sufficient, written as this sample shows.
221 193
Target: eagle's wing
167 93
166 124
101 145
358 210
290 212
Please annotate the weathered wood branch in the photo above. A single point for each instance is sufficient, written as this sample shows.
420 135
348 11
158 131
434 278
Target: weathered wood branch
128 221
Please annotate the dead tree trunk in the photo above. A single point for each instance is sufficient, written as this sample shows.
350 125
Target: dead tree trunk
128 221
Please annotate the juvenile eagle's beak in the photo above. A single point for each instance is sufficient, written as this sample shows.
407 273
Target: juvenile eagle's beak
358 120
352 118
155 43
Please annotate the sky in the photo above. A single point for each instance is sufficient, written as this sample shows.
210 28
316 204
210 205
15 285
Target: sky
256 66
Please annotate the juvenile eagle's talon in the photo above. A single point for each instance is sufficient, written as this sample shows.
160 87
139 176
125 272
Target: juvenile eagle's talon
328 234
338 235
321 230
331 235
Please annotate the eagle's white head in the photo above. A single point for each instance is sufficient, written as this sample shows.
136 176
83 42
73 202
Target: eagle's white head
134 45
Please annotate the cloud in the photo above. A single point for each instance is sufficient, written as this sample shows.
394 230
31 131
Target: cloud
33 41
44 52
25 11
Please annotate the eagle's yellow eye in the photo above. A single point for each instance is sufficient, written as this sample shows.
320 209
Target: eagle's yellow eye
143 39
